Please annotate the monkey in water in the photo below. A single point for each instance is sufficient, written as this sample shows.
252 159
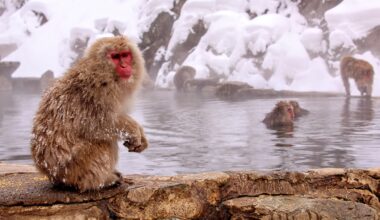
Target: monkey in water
80 118
182 77
298 110
361 71
281 115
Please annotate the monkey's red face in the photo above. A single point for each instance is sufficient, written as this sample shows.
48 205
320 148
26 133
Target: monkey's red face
290 111
123 62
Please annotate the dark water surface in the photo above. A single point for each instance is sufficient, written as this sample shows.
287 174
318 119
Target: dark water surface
194 133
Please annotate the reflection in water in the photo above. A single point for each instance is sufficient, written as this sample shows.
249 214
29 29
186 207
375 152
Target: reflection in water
195 132
282 134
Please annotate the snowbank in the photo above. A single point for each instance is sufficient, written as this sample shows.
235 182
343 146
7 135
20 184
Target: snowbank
354 17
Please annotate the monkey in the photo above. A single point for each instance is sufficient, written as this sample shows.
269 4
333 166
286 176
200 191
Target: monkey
80 117
182 76
298 111
361 71
281 115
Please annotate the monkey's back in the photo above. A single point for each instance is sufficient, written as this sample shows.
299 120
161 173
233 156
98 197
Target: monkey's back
356 68
182 75
65 119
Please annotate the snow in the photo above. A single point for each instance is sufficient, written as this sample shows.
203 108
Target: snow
312 40
354 17
53 38
317 72
279 34
339 38
286 62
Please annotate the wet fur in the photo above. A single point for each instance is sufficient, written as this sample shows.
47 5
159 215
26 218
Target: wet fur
361 71
298 111
81 118
279 116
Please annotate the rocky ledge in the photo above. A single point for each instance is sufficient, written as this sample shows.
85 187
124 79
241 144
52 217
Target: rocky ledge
315 194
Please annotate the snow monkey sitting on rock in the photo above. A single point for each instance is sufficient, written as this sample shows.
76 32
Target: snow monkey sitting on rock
281 115
80 118
361 71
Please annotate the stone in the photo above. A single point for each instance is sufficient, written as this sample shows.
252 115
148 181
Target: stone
315 194
297 208
230 88
156 38
16 168
6 49
8 67
5 84
47 80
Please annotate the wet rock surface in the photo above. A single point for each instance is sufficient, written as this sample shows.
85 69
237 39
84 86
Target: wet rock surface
316 194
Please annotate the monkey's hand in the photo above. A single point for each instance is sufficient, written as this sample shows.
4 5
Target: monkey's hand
132 135
136 143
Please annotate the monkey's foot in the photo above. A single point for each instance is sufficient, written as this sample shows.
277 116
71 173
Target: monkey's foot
113 180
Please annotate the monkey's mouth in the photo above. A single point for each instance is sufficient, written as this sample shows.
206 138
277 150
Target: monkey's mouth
124 72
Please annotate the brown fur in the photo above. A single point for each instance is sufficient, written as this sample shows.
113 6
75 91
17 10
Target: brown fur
298 111
361 71
182 77
80 119
281 115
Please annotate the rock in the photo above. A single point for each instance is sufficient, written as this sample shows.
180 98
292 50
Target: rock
297 208
230 88
369 42
157 37
316 194
47 79
182 50
5 84
202 84
26 84
6 49
16 168
245 93
316 9
7 68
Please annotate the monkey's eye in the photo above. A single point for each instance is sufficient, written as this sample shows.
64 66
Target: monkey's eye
115 56
124 54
